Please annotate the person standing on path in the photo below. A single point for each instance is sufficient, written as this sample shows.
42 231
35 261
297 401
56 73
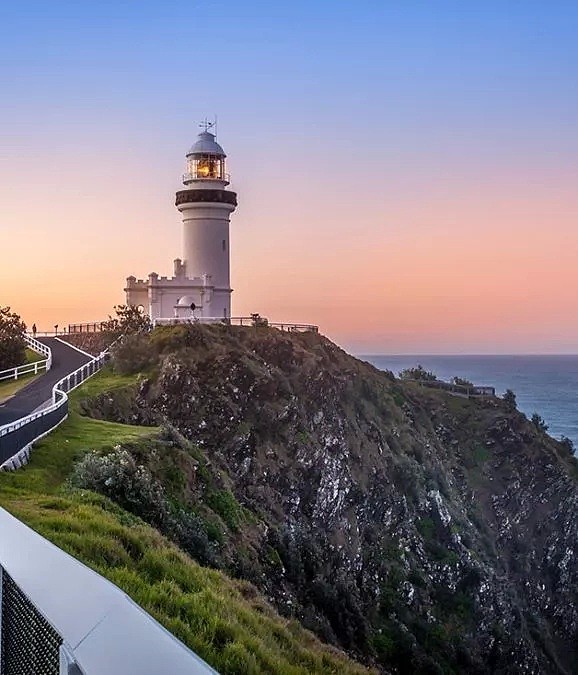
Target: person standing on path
33 330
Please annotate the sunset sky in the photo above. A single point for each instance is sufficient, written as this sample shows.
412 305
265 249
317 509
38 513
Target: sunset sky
407 171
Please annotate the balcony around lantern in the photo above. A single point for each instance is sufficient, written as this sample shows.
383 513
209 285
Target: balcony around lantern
190 177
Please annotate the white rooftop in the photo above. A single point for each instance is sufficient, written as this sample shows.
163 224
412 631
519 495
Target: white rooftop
206 145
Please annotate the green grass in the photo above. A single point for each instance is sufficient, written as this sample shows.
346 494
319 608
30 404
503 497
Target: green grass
480 454
32 356
10 387
226 622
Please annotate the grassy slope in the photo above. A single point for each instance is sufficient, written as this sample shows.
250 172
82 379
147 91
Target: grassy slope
32 356
9 387
225 621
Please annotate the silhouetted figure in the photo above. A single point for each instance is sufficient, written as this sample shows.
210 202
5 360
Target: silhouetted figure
34 330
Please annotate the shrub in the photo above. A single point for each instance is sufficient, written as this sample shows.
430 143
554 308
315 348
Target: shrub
224 503
539 422
510 400
119 477
133 354
259 321
172 338
129 319
418 373
568 444
426 527
408 477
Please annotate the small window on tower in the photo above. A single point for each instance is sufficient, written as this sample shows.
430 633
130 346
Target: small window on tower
224 245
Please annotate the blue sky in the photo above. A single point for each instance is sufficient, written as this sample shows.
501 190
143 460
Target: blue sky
466 111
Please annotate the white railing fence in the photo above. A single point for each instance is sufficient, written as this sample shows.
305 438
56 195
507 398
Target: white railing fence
58 617
30 368
254 321
61 618
16 438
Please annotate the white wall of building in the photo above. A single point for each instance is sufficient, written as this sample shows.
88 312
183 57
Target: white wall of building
206 241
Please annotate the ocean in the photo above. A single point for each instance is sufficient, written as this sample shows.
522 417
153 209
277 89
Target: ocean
545 384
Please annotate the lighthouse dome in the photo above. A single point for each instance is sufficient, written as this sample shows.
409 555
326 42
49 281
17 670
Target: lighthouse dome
206 145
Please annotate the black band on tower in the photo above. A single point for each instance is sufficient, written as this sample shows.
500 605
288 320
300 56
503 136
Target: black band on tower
190 196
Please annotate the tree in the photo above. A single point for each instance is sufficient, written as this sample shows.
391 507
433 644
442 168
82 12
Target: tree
129 319
539 422
418 373
259 321
568 444
510 400
12 343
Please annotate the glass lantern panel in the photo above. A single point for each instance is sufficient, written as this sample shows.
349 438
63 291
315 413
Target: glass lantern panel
206 166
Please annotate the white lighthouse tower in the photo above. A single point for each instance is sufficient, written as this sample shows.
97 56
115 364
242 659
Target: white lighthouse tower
205 206
201 285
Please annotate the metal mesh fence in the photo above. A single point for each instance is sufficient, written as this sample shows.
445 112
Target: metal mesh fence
30 646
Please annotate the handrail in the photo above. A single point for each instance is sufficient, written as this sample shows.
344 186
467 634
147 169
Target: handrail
100 326
85 624
59 392
101 629
459 389
27 368
38 347
258 322
93 327
59 403
189 177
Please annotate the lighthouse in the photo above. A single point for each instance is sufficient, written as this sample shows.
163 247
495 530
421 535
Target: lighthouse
206 205
201 285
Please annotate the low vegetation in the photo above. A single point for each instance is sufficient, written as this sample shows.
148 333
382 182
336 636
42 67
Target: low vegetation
389 519
10 387
32 356
227 622
418 373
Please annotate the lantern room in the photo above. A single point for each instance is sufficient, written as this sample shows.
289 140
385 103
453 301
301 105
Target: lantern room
205 160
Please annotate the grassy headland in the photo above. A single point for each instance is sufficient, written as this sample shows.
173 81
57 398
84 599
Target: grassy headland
227 622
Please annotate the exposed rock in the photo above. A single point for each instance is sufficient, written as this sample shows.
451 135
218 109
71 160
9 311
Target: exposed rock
425 532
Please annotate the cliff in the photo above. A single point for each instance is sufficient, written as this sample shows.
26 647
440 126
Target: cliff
419 531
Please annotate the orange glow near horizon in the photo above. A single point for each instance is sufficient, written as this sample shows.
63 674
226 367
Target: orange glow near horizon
489 268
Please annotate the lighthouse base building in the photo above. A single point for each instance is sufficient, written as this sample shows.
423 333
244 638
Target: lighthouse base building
200 287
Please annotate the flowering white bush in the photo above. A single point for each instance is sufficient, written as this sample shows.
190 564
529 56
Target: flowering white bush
131 485
118 476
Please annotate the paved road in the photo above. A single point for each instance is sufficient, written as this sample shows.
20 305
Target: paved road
65 360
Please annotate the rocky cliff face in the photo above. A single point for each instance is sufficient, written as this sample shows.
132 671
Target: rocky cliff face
417 530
